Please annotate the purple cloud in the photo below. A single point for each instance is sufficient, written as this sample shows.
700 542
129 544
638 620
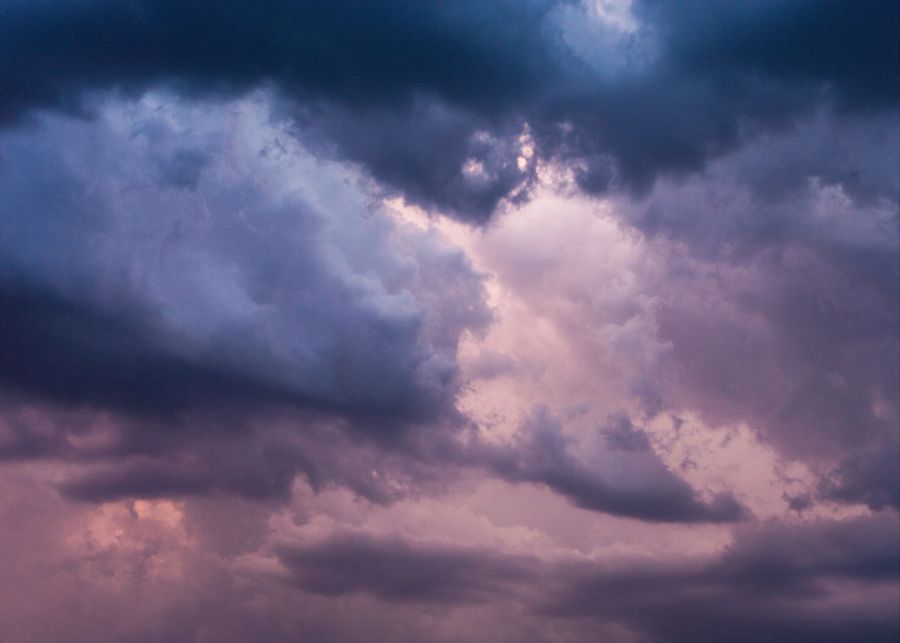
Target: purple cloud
541 320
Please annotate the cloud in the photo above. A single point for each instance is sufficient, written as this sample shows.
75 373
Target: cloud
230 329
550 320
126 291
786 41
705 297
193 305
630 481
410 91
367 64
828 581
868 476
337 568
398 571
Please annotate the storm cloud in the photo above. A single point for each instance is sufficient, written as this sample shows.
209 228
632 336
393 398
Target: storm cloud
124 290
410 91
803 579
508 320
401 571
647 489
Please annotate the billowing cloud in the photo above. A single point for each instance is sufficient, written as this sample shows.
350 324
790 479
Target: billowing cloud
192 300
541 320
412 92
139 274
365 576
817 581
192 308
713 299
626 478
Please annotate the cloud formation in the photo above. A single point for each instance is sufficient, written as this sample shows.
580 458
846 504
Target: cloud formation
803 580
508 320
627 479
411 92
140 275
399 571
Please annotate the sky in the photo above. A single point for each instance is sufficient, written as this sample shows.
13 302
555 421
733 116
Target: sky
454 321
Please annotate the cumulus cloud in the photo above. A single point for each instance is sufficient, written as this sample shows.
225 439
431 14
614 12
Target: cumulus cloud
689 310
247 280
196 306
181 279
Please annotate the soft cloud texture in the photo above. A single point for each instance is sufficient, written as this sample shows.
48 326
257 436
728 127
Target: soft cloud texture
221 279
533 320
412 91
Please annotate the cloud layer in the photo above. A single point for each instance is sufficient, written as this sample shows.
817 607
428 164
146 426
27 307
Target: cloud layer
414 92
455 321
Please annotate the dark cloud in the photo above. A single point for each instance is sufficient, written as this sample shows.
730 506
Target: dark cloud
826 184
648 489
775 583
74 354
798 41
828 580
199 307
867 476
622 435
193 316
778 312
210 455
436 155
780 582
409 90
395 570
372 61
785 313
805 355
344 50
121 290
193 306
140 480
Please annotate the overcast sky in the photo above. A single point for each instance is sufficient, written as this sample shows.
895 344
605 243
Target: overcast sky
449 321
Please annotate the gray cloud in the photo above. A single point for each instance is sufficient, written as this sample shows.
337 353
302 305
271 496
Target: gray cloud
434 77
775 582
172 283
126 291
802 579
651 492
202 300
398 571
